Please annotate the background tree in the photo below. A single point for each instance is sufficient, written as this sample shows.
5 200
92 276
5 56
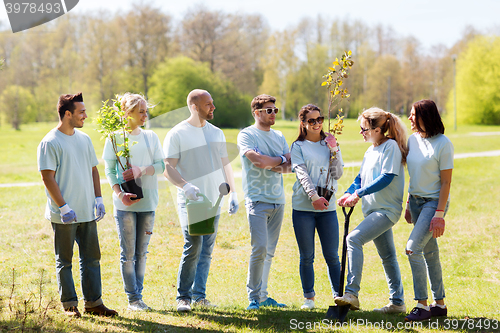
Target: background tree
18 105
478 79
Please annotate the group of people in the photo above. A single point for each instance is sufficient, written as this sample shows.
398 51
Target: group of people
194 158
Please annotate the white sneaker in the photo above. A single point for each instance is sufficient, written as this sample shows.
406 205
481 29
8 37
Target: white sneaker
183 305
348 299
138 306
308 304
392 308
203 302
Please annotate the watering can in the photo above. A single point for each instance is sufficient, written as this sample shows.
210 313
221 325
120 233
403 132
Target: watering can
201 214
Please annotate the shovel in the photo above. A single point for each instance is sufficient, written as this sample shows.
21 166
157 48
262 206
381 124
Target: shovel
339 312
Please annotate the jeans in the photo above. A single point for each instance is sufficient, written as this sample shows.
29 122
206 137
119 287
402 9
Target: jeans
376 227
195 260
134 232
305 224
424 257
85 235
265 221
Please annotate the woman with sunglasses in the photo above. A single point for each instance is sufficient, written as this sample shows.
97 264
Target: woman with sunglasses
310 154
430 165
380 184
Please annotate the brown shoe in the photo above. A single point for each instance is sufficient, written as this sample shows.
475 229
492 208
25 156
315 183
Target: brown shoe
101 310
72 312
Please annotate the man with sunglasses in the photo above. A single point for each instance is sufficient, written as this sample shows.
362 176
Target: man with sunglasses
264 156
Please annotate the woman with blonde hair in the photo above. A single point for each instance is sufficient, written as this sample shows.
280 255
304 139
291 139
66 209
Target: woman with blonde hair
135 217
380 184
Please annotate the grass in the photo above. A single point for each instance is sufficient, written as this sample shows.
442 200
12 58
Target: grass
28 288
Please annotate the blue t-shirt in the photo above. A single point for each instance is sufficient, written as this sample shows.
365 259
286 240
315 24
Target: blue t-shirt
316 157
261 184
426 158
385 158
72 157
199 151
143 154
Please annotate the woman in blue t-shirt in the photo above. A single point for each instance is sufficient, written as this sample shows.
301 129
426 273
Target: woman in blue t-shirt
380 184
134 217
310 155
430 165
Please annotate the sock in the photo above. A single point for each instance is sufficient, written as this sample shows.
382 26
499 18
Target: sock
441 306
421 306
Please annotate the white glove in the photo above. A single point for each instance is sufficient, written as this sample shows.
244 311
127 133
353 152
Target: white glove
233 203
100 211
68 215
191 191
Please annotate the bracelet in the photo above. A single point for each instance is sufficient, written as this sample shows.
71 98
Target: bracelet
439 214
283 160
121 195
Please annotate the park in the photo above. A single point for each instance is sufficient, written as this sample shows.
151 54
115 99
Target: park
146 49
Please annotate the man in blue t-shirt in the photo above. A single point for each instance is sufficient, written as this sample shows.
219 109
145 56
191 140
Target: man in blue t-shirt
264 157
68 164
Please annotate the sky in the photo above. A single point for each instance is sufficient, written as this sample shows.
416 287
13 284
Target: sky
430 21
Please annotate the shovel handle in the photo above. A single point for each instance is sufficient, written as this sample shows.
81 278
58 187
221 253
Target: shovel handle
347 215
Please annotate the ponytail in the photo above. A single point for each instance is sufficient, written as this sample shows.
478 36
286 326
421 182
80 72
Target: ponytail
388 123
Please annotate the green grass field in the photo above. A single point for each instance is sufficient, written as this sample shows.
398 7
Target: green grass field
470 254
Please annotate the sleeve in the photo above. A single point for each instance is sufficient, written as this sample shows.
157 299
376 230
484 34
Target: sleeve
47 156
245 142
337 166
223 148
158 155
305 180
378 184
110 172
93 157
446 157
296 155
356 184
391 159
286 149
171 147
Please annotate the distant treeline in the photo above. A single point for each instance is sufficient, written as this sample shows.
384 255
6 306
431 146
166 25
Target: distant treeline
234 56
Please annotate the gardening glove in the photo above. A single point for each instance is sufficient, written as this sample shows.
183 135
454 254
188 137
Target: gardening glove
352 200
341 201
68 215
320 203
133 173
100 211
331 142
191 191
437 224
233 203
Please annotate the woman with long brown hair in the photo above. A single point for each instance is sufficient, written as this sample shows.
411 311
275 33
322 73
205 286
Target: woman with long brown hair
380 184
311 154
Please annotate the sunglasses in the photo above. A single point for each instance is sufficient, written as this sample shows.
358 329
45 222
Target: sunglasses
269 110
318 120
365 129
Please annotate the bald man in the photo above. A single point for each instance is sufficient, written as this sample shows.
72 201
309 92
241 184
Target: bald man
197 162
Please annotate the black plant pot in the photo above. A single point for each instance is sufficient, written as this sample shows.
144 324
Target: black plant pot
324 192
133 186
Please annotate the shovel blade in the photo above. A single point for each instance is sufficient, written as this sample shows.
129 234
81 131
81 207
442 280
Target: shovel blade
337 312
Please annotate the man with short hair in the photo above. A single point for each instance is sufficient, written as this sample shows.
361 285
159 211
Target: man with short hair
264 157
68 165
197 162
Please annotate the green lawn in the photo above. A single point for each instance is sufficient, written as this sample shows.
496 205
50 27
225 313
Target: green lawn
469 252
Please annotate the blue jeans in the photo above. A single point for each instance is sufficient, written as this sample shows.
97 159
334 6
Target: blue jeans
134 232
424 257
85 235
376 227
265 221
305 224
195 260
